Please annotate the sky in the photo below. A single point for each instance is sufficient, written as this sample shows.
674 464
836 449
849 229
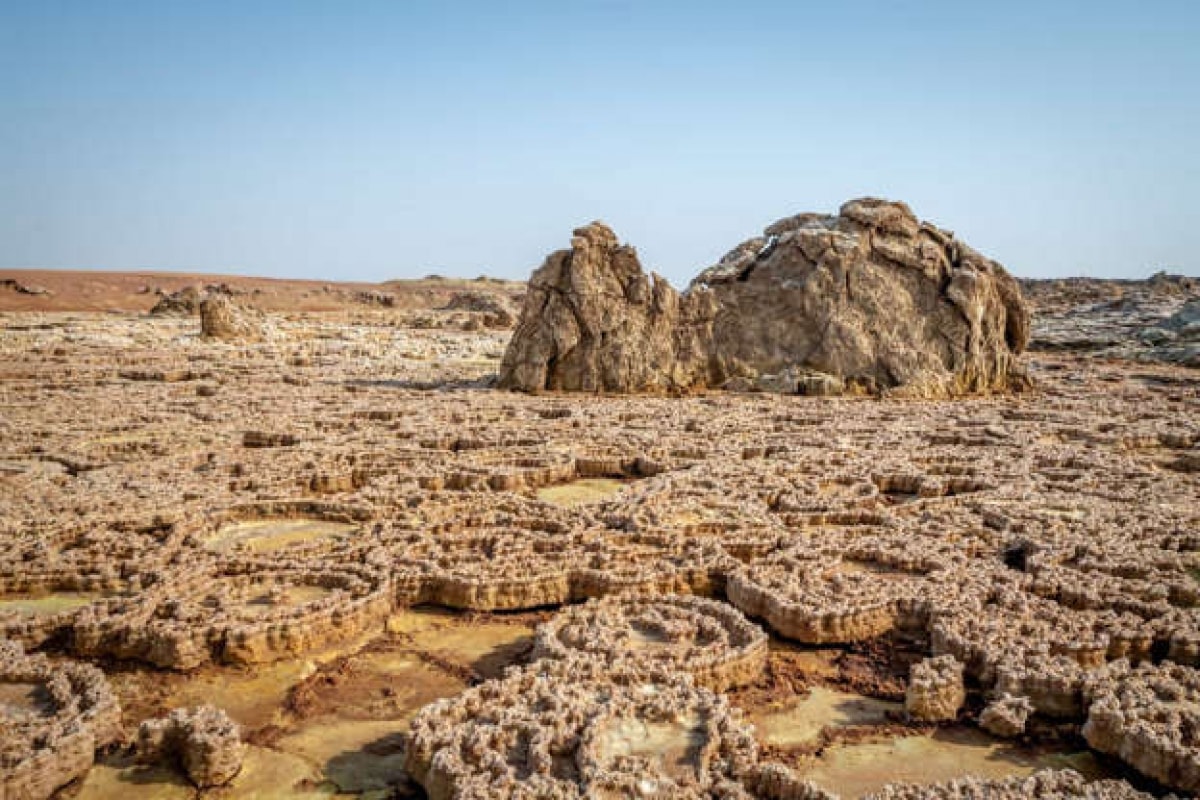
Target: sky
373 140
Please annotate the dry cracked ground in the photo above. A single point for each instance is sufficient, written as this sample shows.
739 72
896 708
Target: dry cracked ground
377 577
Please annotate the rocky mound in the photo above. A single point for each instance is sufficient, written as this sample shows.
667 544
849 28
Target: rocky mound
582 730
594 321
495 309
1157 319
182 303
221 318
869 300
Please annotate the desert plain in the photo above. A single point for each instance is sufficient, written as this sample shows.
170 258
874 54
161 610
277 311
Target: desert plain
299 539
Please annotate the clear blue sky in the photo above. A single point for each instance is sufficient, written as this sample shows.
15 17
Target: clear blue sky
371 140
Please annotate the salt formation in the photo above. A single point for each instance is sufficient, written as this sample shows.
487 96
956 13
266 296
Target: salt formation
1034 539
184 302
823 593
495 310
203 741
1046 784
708 639
869 300
222 318
238 611
1149 717
935 689
55 716
1006 716
581 730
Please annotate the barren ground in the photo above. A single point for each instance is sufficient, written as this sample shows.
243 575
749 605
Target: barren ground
407 528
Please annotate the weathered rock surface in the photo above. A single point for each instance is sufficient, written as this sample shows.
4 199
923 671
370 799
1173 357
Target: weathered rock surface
593 321
1006 716
1156 319
639 734
1149 717
935 689
203 741
873 297
51 738
496 310
1046 785
184 302
709 640
869 300
222 318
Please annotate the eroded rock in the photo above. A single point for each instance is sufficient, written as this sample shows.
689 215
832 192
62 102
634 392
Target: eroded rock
869 300
1149 717
203 741
935 689
1006 716
593 321
55 716
706 638
222 318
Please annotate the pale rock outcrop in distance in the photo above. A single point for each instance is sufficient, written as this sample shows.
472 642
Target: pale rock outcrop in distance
222 318
869 300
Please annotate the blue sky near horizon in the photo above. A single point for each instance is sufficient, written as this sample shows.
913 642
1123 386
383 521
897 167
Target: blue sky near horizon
373 140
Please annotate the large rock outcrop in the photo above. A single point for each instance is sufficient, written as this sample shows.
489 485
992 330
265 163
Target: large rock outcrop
593 320
869 300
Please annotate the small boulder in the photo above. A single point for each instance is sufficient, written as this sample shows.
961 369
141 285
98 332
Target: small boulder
1006 716
935 689
203 742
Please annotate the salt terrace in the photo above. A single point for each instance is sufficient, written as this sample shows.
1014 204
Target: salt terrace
395 579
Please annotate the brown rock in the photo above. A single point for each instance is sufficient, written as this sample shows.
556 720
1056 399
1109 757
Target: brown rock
1006 716
221 318
183 302
593 321
872 297
935 689
870 300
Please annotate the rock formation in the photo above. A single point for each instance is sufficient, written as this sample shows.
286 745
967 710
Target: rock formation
1046 785
50 737
647 734
1006 716
872 297
708 639
869 300
1156 319
222 318
935 689
203 741
495 309
593 321
184 302
1149 717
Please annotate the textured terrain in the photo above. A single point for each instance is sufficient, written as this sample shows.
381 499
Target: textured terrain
867 301
387 578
